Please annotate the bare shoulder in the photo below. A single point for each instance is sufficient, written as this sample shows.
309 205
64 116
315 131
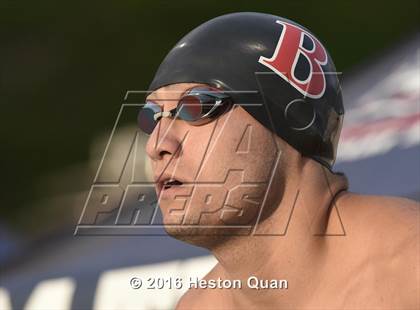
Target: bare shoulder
384 234
199 298
189 300
381 214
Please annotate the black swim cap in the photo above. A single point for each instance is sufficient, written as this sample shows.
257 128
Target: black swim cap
267 59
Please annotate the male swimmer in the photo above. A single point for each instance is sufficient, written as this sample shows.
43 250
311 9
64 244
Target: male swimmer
244 116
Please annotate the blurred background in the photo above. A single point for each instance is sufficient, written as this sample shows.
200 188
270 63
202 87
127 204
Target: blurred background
65 69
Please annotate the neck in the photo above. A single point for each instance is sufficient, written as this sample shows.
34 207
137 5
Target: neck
290 243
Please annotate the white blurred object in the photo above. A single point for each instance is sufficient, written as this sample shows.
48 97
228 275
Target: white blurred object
114 290
386 116
5 303
52 294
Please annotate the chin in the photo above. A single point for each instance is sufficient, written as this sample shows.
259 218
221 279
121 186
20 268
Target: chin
206 237
205 227
193 236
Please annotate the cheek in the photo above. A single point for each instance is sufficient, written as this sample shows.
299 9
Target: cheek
235 173
239 144
195 149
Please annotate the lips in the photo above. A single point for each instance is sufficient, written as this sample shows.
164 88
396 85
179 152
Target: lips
169 183
166 184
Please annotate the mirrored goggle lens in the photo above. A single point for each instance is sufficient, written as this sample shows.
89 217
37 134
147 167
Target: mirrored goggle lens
194 107
145 119
190 108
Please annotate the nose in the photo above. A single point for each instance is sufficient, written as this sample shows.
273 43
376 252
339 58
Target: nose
163 141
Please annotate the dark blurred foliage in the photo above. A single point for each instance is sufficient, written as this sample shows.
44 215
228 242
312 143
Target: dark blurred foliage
65 67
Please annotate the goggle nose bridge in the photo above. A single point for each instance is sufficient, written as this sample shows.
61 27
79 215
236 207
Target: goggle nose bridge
158 115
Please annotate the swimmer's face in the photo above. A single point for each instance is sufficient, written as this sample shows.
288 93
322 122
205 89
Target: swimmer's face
218 172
